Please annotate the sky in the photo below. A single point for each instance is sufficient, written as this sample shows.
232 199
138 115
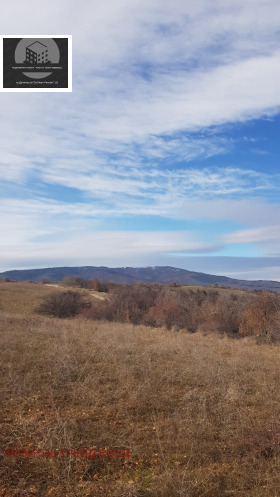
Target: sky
165 153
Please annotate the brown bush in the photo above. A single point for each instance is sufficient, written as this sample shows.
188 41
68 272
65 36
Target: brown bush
259 316
96 284
76 281
208 310
62 305
131 302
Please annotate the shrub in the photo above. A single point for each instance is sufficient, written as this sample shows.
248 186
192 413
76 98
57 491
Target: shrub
104 286
209 310
76 281
259 316
63 305
130 303
96 285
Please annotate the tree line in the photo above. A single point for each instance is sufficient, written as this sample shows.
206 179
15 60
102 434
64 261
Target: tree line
236 313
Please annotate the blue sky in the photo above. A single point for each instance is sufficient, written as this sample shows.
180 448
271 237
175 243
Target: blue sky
165 153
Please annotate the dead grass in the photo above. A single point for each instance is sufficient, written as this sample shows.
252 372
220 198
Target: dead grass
21 297
199 414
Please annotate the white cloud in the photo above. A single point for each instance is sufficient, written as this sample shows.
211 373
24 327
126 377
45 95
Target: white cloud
99 248
206 76
148 79
262 234
264 272
50 232
248 211
267 238
178 193
247 268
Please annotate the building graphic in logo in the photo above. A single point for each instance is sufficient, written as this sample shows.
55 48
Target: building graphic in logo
37 53
40 56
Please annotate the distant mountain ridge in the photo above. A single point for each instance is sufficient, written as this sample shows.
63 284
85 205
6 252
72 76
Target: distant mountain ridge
155 274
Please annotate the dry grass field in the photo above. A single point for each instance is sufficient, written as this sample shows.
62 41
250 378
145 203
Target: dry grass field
199 414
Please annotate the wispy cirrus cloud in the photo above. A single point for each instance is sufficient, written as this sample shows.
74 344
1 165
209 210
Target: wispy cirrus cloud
156 186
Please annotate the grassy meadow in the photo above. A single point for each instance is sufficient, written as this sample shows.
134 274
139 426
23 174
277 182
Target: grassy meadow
199 413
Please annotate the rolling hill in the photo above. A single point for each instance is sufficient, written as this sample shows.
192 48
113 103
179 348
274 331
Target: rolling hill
156 274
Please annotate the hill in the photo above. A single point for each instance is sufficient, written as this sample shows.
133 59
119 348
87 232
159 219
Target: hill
155 274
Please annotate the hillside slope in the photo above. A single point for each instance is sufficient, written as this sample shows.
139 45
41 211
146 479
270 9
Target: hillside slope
156 274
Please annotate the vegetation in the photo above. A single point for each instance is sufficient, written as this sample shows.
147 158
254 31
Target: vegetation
76 281
63 305
234 312
198 412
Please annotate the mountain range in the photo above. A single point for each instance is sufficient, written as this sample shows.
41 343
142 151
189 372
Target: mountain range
155 274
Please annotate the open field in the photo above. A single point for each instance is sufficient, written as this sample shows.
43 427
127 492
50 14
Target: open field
199 414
